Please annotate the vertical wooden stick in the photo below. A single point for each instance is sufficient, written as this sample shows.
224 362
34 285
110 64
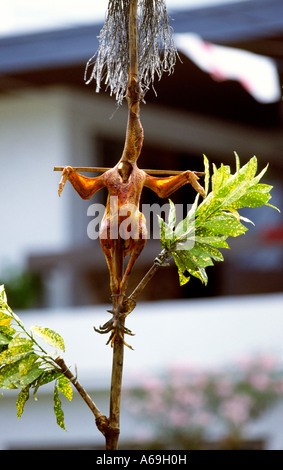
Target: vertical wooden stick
133 38
112 435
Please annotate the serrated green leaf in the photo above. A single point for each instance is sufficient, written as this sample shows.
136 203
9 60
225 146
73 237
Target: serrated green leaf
200 274
253 199
186 227
217 217
218 242
58 409
162 230
21 400
65 387
213 252
183 279
257 178
200 256
225 225
50 336
166 233
220 177
189 266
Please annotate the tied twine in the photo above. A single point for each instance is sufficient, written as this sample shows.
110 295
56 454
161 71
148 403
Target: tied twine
156 50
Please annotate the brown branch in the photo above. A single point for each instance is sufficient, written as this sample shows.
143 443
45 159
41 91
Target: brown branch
130 302
102 422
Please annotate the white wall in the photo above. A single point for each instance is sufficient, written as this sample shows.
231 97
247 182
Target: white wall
32 140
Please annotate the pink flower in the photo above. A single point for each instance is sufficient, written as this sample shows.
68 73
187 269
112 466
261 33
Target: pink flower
236 409
155 404
259 381
178 418
153 384
223 388
189 398
201 418
267 362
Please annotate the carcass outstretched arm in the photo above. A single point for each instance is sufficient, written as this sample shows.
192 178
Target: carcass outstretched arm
163 187
85 187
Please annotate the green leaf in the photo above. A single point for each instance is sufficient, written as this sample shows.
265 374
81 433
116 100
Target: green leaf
162 230
45 378
18 348
58 409
188 265
218 242
200 256
186 228
206 173
182 268
210 223
238 166
31 375
225 225
21 401
253 198
213 252
12 355
5 319
21 344
9 375
172 215
7 331
3 295
4 339
65 387
26 363
166 233
50 336
220 177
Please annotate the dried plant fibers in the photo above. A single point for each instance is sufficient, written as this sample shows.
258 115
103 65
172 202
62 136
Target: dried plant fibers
156 50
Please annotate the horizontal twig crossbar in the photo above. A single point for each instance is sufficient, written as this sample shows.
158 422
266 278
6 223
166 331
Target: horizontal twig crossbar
99 169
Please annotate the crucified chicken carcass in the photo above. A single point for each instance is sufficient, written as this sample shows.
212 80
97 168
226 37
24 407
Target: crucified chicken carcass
124 183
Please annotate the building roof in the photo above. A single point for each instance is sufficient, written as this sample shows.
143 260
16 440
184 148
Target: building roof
226 24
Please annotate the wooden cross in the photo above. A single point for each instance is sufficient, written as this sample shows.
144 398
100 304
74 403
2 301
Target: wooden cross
101 169
125 181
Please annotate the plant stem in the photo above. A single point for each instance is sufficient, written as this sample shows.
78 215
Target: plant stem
161 258
112 435
115 394
100 419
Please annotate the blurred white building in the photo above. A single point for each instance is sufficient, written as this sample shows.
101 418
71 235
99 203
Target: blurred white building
48 118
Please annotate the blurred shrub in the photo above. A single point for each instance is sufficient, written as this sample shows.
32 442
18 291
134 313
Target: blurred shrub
186 408
23 289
